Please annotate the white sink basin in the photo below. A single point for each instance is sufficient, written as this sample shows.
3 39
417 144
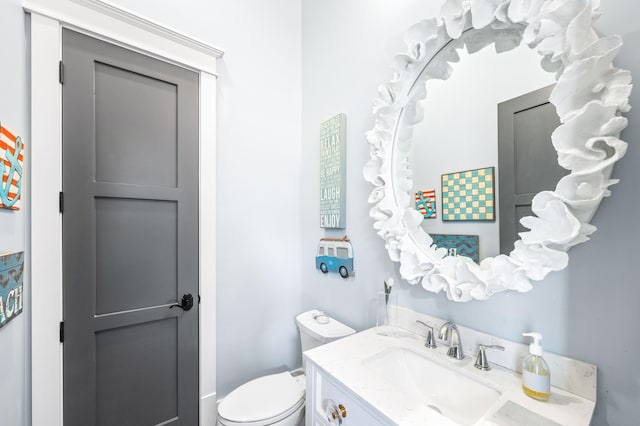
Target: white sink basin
452 393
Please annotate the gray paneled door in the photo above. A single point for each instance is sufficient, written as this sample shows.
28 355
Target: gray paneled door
527 161
130 237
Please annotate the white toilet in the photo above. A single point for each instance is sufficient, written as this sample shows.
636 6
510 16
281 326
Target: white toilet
278 399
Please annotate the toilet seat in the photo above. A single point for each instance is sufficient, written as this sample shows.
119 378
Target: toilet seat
263 401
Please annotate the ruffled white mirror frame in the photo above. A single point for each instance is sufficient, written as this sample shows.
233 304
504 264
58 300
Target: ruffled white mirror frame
590 95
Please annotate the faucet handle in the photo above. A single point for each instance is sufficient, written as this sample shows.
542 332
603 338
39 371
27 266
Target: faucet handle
431 340
481 360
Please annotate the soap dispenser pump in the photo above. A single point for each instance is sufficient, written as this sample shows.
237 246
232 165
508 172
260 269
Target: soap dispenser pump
536 376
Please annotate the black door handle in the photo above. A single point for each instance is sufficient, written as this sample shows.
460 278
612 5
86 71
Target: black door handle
186 303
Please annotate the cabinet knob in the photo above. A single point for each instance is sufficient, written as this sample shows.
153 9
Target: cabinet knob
343 411
335 412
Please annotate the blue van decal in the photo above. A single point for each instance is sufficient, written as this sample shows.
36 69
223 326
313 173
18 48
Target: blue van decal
336 255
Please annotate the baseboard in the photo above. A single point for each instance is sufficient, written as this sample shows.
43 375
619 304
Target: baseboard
208 410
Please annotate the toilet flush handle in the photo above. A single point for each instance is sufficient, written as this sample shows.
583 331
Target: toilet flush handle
321 317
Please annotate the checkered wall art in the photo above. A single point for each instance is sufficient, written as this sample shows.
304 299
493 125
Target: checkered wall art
468 195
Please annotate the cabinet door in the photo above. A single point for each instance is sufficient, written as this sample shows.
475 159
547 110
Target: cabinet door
325 394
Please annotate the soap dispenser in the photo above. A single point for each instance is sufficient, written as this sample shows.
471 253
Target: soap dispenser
536 376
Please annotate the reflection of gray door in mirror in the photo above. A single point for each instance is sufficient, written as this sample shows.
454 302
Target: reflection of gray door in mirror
527 161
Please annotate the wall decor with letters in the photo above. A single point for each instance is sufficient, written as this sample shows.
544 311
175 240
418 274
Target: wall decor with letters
333 183
459 245
11 273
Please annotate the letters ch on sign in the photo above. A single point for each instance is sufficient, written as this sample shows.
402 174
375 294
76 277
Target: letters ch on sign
11 288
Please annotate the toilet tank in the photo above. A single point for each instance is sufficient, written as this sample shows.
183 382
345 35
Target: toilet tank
317 328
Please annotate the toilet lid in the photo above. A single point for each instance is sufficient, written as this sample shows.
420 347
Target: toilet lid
263 398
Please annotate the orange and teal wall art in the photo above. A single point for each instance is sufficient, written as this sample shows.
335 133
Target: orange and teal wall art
12 157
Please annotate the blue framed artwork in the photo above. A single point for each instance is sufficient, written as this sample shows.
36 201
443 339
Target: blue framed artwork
333 183
459 245
11 273
468 195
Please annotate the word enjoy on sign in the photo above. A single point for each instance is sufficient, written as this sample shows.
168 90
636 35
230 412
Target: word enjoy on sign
330 220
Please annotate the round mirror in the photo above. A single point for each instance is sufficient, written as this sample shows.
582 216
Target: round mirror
589 97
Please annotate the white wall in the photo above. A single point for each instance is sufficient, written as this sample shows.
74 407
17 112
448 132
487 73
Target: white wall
347 51
14 107
258 172
588 311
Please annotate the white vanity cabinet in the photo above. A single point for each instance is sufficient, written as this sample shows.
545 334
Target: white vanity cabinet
331 403
368 379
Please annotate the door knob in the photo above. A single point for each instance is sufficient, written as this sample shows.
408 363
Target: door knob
186 303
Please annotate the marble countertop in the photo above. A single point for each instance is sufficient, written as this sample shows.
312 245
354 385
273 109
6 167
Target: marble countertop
343 359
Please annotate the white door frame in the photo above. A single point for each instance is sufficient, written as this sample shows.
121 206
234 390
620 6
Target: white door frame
103 20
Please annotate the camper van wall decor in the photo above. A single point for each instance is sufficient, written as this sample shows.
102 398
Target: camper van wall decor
12 157
336 255
11 273
333 183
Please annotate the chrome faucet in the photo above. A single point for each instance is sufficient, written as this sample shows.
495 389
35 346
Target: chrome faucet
431 341
455 345
481 360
